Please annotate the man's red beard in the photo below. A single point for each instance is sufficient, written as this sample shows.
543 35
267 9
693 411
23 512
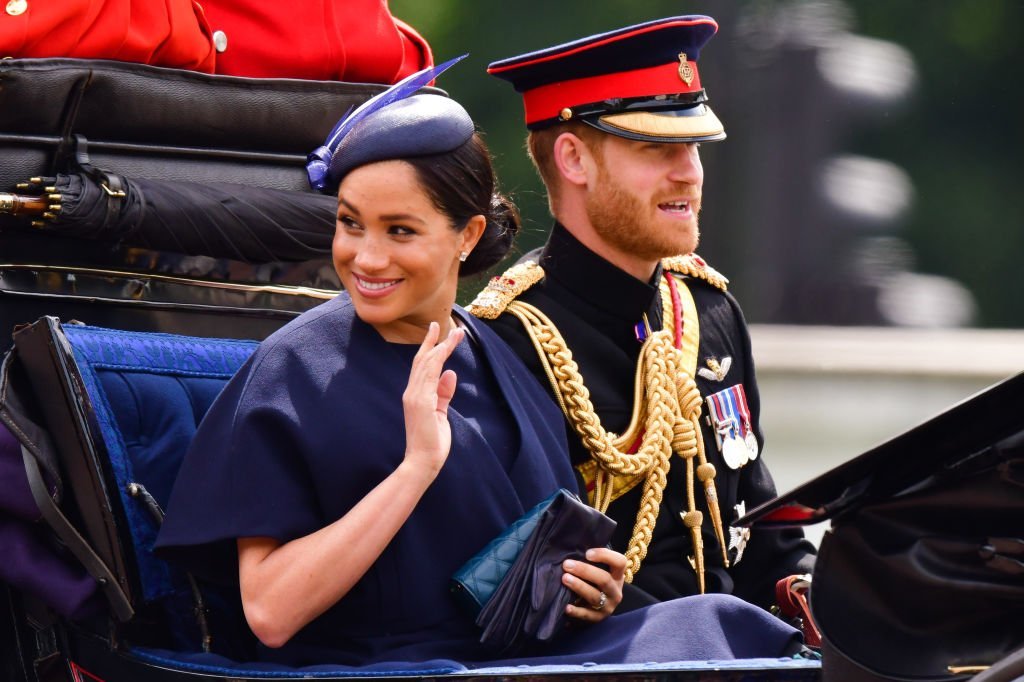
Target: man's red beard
626 222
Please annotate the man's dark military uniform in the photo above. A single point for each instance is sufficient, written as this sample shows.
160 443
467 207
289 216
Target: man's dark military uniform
596 306
642 83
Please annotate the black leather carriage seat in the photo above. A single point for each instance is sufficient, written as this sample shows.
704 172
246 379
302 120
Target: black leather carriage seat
132 402
159 124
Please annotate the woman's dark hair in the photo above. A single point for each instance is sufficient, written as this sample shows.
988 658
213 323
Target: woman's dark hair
461 184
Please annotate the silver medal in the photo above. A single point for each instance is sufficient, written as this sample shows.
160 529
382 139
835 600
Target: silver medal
734 452
751 441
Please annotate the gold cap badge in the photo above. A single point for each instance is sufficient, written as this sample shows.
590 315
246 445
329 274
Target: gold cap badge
685 70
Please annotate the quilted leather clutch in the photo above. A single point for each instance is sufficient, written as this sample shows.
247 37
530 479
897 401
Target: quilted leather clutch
529 600
475 582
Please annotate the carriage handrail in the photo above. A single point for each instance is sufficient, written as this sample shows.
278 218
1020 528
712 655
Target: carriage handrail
286 289
100 145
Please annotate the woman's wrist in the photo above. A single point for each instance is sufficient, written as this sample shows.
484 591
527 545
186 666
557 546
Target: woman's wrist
414 471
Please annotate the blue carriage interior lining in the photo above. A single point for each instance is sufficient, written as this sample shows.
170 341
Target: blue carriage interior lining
143 396
148 393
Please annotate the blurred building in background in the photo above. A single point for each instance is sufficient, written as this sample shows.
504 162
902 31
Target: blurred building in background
831 393
820 224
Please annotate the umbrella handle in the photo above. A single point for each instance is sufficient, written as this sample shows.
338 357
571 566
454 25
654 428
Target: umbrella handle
22 205
47 205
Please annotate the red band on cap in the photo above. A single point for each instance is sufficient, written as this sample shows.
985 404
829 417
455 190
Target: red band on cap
547 101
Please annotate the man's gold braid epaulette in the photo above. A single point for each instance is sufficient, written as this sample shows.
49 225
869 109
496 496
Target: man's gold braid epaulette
694 266
505 288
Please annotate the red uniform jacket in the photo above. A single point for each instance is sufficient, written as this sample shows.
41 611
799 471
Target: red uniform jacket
349 40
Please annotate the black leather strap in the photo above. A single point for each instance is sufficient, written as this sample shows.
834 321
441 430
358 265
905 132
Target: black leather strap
50 372
12 414
38 454
73 540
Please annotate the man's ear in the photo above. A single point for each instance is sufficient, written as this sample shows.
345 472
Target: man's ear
574 159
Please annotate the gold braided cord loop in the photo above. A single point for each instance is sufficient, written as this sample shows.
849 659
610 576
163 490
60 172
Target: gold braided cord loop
666 416
607 450
691 406
574 397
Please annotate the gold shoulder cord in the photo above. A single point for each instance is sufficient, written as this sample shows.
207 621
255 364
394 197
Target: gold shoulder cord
666 411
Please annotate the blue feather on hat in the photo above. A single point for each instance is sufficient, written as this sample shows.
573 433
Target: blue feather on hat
320 160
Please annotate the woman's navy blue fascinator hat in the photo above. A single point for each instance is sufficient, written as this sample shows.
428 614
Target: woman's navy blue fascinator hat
392 125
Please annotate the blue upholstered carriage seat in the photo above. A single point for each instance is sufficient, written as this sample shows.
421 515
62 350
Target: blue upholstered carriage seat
148 392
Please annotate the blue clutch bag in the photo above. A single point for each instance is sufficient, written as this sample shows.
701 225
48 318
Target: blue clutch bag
514 584
475 583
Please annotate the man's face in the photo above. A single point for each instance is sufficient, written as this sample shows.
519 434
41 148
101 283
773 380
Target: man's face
646 197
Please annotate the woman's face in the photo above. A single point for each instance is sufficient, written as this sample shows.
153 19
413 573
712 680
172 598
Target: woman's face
396 253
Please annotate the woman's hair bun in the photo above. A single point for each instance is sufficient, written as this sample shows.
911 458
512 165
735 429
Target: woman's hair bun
503 223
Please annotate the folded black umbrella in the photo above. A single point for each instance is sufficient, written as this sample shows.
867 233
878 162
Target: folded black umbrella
220 220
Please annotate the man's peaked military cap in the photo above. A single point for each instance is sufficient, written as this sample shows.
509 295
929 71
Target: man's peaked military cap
640 82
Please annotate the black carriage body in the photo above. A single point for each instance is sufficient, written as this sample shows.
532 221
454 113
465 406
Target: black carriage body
921 575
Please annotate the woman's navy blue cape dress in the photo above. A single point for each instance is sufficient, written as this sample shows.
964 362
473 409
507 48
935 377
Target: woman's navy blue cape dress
313 422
